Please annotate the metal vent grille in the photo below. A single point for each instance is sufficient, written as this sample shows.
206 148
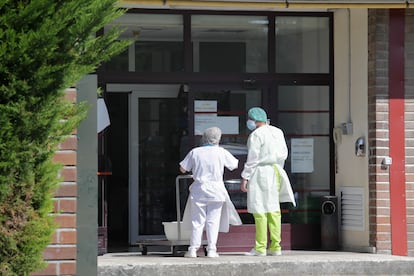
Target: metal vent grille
352 208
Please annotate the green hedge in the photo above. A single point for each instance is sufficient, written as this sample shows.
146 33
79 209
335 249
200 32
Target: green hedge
46 46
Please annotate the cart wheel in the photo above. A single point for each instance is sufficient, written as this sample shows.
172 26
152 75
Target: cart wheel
205 251
144 250
174 250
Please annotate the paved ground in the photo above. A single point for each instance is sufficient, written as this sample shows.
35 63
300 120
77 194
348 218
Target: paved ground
290 263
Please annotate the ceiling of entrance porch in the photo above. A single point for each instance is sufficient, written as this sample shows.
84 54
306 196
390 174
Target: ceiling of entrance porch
153 27
265 4
149 26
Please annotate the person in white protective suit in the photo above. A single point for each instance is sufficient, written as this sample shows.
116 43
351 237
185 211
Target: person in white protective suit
265 181
209 205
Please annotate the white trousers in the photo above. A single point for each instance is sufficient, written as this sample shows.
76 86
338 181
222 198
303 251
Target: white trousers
205 214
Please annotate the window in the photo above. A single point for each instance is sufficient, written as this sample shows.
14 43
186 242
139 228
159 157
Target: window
229 43
302 44
158 43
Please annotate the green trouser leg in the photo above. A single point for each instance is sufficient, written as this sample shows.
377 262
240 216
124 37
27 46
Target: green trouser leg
260 221
274 222
275 226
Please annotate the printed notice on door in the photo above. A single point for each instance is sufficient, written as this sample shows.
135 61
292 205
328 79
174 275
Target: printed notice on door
302 155
227 124
206 116
205 106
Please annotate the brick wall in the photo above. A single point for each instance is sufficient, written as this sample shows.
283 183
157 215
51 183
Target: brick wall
379 200
380 222
61 253
409 126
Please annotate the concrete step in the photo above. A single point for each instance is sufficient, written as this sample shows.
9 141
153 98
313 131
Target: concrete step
290 263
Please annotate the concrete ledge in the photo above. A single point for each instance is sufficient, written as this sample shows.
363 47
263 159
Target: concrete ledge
291 263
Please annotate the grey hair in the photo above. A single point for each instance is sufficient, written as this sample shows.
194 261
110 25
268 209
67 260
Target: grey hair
211 136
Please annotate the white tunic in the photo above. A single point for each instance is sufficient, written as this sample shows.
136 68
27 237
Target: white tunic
207 166
267 152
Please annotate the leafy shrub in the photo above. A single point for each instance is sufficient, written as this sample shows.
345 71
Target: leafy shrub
46 46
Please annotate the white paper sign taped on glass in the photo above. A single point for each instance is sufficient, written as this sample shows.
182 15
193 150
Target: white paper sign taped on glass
302 155
227 124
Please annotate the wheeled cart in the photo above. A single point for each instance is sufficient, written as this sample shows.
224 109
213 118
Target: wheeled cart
175 245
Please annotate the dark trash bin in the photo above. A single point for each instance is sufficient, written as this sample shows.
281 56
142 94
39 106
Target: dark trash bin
329 223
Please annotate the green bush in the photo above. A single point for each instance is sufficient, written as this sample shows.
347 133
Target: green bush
46 46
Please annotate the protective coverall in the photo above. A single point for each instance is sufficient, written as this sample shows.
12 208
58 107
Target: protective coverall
268 184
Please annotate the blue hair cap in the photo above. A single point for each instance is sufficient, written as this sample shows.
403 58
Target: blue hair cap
257 114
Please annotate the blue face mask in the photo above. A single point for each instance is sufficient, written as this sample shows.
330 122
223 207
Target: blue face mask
251 124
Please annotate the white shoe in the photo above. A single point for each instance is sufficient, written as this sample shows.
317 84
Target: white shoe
253 252
274 253
212 254
190 254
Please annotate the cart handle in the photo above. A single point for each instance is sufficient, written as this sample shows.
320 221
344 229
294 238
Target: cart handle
177 196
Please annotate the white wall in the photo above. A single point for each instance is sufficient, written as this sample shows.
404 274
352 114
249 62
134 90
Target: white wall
351 86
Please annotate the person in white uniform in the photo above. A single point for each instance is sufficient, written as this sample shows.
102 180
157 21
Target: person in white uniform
265 181
208 193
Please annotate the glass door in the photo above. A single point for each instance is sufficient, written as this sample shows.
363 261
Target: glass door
157 132
160 138
304 114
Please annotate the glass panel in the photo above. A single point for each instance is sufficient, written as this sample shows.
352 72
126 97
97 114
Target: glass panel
317 182
229 43
312 98
304 123
304 114
159 56
159 43
309 187
118 63
304 109
160 138
232 105
302 44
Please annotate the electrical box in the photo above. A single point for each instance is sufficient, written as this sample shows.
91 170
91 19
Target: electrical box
347 128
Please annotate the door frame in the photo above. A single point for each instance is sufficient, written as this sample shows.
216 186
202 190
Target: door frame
137 91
